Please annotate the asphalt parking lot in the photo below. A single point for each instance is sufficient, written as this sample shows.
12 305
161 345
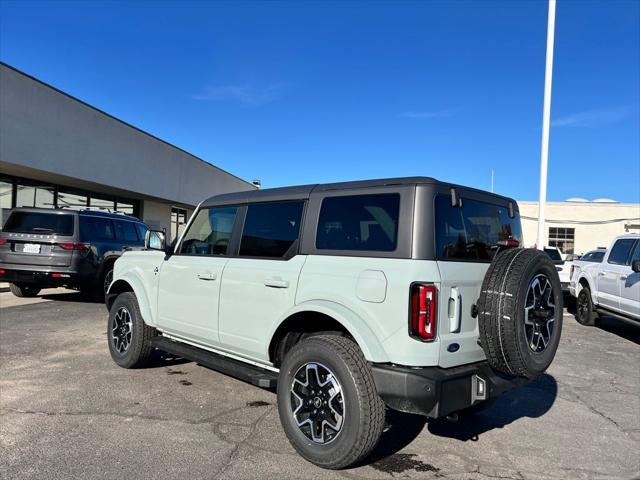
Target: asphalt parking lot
67 411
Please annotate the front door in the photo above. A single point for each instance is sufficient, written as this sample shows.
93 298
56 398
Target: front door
614 266
259 286
630 287
190 279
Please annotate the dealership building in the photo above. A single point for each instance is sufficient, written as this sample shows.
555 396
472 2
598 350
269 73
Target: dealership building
58 152
579 225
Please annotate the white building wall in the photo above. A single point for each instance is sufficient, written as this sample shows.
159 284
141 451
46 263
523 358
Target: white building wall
595 224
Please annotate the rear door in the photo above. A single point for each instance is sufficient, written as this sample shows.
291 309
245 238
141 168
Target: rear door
189 286
630 287
614 267
259 285
466 241
38 238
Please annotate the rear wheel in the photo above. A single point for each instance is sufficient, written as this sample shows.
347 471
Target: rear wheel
585 314
328 403
129 337
24 290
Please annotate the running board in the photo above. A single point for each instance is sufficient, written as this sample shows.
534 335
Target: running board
608 313
234 368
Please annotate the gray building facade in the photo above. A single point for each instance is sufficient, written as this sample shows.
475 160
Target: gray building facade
59 152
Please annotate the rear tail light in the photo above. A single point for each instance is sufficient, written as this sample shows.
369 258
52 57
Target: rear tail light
3 241
2 271
60 275
423 312
80 247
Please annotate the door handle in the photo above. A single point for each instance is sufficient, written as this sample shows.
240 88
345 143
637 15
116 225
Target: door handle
455 319
275 282
623 278
206 276
601 274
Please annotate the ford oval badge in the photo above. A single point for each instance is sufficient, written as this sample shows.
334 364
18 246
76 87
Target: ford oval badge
453 347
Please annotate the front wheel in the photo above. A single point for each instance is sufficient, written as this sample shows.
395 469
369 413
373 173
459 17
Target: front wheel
129 337
585 314
328 403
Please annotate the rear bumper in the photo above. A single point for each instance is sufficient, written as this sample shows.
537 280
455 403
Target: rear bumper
39 276
436 392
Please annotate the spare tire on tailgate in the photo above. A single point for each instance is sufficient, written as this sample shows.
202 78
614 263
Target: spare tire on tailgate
520 312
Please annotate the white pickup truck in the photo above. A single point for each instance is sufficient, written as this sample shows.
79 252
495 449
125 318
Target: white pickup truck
611 287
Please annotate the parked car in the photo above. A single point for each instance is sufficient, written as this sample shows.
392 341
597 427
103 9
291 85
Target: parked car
43 248
403 293
612 286
592 256
563 267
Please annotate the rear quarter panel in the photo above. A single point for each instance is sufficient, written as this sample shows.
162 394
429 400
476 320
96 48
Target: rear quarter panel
376 291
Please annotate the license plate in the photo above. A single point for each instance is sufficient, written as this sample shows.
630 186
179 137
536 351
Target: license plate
31 248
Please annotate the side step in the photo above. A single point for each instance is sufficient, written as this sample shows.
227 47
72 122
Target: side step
234 368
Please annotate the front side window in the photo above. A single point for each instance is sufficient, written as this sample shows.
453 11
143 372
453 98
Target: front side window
271 229
96 228
210 232
126 231
359 222
472 232
620 251
40 223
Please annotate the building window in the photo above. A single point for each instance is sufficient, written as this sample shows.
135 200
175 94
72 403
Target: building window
41 196
72 200
178 221
102 202
563 238
6 198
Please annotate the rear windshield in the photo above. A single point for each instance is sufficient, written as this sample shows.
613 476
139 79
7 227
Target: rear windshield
472 232
40 223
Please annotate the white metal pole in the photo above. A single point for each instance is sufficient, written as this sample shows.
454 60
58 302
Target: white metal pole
491 181
546 114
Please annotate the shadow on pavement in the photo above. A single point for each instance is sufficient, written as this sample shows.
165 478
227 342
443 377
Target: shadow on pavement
533 400
620 328
70 296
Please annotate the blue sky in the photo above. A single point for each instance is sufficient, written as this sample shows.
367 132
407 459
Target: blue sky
307 92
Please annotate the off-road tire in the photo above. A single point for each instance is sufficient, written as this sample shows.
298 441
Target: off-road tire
585 313
139 350
364 410
501 312
22 290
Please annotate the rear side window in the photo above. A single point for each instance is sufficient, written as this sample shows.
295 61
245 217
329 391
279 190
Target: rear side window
209 232
126 231
553 254
40 223
95 228
359 222
620 251
271 229
472 232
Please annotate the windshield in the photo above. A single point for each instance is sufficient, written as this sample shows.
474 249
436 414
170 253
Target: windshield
472 232
595 256
39 223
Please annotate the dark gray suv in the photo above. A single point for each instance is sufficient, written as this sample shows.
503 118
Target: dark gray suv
43 248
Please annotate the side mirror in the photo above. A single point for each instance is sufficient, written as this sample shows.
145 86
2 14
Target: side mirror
154 240
635 266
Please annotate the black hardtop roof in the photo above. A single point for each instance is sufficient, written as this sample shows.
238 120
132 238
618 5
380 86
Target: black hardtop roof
96 213
299 192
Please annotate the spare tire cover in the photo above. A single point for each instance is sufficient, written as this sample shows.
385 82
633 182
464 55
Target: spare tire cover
520 312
